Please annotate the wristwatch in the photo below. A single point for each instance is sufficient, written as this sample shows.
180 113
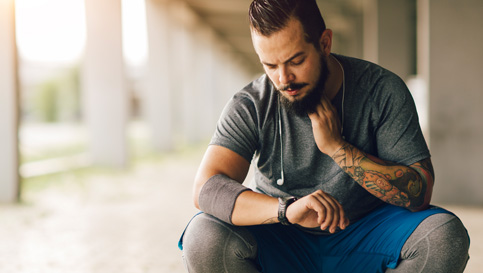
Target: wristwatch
283 203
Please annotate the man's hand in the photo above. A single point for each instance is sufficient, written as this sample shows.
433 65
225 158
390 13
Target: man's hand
326 127
318 209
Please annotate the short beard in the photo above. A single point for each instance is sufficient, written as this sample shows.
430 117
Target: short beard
309 102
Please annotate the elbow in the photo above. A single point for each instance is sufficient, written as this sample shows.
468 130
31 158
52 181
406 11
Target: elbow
421 204
196 202
423 200
196 196
426 198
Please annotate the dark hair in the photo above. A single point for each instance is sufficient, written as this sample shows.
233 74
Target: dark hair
269 16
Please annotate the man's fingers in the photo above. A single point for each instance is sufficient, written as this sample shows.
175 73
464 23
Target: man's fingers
318 206
343 221
330 212
319 209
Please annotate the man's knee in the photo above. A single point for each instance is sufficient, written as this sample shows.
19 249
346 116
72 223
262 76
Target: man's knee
453 239
439 244
447 229
210 245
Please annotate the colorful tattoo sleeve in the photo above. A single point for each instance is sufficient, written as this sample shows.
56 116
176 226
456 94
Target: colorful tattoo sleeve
395 184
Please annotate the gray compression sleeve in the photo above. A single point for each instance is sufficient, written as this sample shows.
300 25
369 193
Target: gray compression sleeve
218 196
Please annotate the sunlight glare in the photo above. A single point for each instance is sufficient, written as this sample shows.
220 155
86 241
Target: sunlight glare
134 31
50 30
54 30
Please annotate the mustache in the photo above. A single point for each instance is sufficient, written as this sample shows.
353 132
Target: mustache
292 86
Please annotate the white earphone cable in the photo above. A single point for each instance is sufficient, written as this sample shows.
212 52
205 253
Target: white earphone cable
281 180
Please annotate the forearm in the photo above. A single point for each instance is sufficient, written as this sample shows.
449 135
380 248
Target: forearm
253 208
233 203
316 210
395 184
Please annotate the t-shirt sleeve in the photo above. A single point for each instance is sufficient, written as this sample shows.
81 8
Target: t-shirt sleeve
237 127
399 135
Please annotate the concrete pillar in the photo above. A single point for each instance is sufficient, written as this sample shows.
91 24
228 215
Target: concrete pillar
455 82
192 46
196 92
187 70
9 159
159 96
224 68
390 35
218 82
208 81
195 74
106 104
181 75
201 92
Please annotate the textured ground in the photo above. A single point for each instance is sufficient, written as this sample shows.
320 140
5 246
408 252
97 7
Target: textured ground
122 222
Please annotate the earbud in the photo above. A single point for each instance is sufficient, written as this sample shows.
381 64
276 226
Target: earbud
280 182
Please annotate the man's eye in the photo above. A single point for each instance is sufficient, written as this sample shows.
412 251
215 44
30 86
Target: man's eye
298 62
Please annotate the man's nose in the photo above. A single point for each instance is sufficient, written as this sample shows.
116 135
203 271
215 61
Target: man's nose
286 76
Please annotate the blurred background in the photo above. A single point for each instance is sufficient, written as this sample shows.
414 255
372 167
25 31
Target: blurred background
106 107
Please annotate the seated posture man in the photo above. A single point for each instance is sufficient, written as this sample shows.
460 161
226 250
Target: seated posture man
343 176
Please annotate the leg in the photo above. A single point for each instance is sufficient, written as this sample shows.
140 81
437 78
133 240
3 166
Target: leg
439 244
210 245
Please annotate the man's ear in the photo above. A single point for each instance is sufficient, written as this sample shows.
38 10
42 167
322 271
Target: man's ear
325 41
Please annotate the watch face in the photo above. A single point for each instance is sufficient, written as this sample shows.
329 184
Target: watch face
288 198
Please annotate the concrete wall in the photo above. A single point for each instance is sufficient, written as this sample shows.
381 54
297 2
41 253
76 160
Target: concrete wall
390 35
455 60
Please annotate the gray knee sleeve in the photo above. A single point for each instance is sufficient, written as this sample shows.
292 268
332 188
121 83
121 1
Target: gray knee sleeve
210 245
439 244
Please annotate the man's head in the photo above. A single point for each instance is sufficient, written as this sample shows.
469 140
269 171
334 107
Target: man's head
270 16
293 44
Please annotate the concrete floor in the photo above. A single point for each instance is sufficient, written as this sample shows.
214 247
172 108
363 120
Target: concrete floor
123 222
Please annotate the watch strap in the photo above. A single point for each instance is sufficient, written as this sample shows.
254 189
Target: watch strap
283 203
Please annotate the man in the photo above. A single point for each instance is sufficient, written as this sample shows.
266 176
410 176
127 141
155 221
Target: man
343 176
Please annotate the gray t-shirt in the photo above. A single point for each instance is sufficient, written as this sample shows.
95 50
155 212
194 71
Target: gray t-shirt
380 118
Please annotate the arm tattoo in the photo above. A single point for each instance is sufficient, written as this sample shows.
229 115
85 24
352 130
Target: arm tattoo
425 169
272 220
395 184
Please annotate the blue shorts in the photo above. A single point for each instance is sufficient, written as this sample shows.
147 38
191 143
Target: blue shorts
371 244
